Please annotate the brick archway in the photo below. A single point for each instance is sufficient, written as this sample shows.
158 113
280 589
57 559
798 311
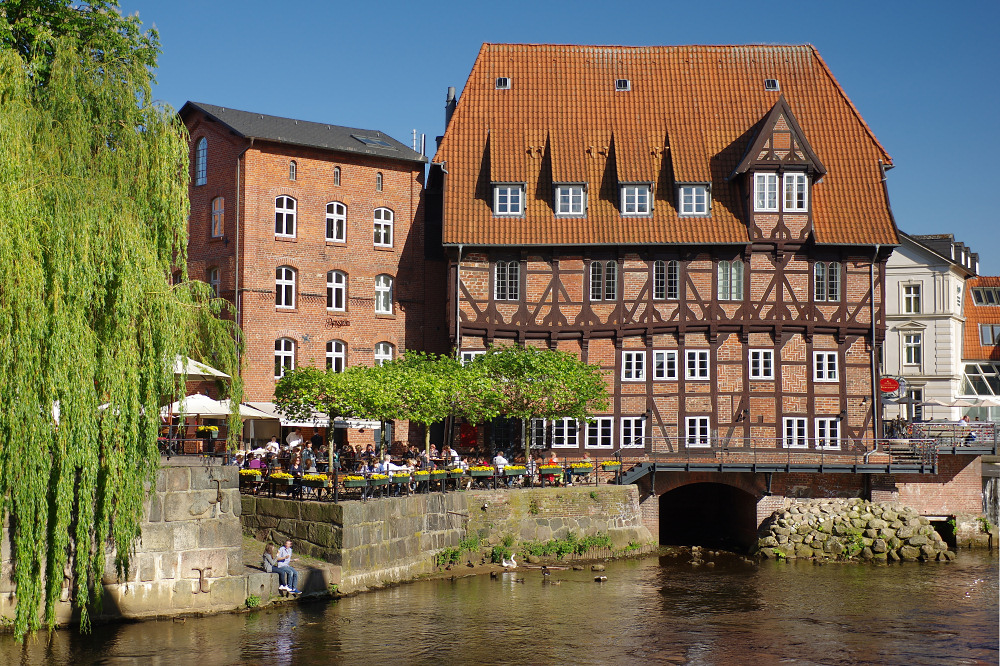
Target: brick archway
752 484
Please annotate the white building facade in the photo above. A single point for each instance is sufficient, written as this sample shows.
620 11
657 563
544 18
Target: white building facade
925 322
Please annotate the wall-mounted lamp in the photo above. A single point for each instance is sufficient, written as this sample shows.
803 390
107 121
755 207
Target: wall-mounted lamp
864 400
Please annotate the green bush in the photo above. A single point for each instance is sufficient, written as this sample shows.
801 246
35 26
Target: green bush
252 601
560 548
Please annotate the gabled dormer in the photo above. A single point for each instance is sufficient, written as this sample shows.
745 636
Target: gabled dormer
777 172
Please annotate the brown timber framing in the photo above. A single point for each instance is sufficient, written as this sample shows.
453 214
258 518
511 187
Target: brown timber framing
778 301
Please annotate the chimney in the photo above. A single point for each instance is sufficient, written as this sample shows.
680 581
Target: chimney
449 106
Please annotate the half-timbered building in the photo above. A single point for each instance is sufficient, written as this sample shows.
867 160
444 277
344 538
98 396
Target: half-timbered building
709 224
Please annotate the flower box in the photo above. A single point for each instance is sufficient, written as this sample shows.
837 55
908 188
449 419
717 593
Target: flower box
456 474
280 481
581 470
316 483
355 483
480 472
376 480
400 478
514 472
611 466
439 474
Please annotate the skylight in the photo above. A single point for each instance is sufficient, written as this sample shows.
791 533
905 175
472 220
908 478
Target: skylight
374 141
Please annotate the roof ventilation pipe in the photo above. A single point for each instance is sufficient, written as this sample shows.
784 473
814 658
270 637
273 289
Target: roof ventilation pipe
449 105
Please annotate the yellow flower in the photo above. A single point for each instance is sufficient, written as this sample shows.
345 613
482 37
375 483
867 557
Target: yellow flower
354 478
249 472
481 468
379 477
313 477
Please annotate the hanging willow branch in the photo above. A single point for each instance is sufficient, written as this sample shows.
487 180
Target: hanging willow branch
93 199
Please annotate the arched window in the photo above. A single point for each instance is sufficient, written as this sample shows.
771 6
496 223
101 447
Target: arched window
336 176
214 281
604 280
506 282
383 227
201 162
336 222
218 217
293 170
336 291
378 182
336 355
284 287
383 294
284 356
284 217
384 351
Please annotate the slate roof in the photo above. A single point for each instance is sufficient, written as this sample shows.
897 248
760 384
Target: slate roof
305 133
975 315
690 116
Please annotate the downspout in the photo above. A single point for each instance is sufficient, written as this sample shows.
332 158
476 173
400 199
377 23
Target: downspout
236 287
875 399
458 332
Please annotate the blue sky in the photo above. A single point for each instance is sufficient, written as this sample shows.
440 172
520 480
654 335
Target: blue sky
922 74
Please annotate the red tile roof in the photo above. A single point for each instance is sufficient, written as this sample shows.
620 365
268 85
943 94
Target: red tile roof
976 315
689 117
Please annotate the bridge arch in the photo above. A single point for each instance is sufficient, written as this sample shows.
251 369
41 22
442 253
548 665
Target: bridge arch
712 513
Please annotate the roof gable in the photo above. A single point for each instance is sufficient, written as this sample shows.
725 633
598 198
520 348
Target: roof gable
780 142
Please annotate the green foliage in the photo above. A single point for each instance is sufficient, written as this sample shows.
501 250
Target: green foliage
500 553
454 555
252 601
533 508
334 589
560 548
93 192
984 525
853 543
593 495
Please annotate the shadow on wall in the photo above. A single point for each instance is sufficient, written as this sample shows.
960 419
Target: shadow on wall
708 514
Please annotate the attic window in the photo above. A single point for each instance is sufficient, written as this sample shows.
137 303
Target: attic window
771 84
374 141
623 85
503 83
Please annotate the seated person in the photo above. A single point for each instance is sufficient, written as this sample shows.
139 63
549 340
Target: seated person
288 577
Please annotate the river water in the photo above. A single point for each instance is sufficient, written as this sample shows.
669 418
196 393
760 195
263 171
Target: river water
653 610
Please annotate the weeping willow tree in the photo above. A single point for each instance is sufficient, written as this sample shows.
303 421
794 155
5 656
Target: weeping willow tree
93 198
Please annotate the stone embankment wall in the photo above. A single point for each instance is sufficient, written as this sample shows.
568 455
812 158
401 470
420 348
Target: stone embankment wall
189 559
851 529
395 539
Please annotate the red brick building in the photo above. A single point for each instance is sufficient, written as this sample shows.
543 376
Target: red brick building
709 224
315 233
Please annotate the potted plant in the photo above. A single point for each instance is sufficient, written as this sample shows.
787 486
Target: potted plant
378 480
400 478
611 465
281 478
514 470
579 468
481 470
249 475
355 481
208 431
315 480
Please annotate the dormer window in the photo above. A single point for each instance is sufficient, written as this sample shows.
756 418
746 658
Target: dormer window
508 199
796 192
571 200
765 192
693 200
635 199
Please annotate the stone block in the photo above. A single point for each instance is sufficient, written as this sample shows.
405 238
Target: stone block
156 538
188 506
279 508
220 533
210 478
248 505
154 508
185 535
217 559
263 585
178 479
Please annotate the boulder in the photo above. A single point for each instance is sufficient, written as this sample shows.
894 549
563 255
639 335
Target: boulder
909 553
905 532
918 540
879 546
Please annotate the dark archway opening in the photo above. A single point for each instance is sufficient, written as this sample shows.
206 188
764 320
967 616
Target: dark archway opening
708 514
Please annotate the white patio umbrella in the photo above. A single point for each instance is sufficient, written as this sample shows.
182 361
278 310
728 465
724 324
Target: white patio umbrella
196 369
198 404
248 412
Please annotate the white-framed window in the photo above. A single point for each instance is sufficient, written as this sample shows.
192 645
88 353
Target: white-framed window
633 365
508 199
218 217
765 192
383 227
986 295
565 433
336 222
825 366
284 217
468 356
284 287
383 294
915 408
912 348
502 83
796 192
698 434
293 170
537 433
696 364
384 351
694 200
378 182
761 364
826 281
911 299
284 356
633 432
730 286
336 355
507 281
336 291
201 162
570 200
635 200
989 334
796 433
828 433
600 433
336 176
665 364
666 280
214 281
604 280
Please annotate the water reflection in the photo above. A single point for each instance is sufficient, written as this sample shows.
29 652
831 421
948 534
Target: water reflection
655 610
